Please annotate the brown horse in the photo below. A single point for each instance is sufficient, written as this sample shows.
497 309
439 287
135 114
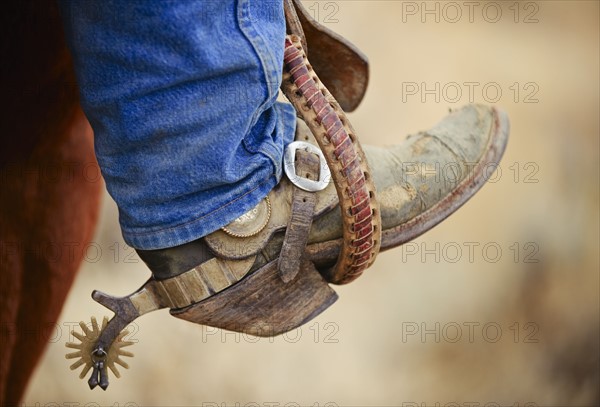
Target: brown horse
50 188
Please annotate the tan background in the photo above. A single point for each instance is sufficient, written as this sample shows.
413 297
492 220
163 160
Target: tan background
359 352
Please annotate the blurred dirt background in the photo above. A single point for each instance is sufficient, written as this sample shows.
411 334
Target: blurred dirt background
511 321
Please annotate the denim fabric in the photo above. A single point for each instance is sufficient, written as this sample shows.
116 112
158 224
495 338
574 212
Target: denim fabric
182 99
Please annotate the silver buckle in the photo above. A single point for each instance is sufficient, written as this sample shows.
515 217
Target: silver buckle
289 166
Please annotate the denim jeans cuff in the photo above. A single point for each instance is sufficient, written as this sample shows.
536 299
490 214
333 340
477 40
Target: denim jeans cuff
226 213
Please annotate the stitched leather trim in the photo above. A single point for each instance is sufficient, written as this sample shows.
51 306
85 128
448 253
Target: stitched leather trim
346 160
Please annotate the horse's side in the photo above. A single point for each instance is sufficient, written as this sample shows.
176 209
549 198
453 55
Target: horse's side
49 186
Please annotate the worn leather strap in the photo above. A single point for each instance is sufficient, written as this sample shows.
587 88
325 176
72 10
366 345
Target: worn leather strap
293 24
346 160
190 287
303 209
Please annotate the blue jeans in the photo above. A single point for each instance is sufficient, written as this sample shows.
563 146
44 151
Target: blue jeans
182 99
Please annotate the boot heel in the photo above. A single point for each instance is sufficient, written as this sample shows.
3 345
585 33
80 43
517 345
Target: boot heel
262 304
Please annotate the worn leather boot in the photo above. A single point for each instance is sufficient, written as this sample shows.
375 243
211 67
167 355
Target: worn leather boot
419 183
270 270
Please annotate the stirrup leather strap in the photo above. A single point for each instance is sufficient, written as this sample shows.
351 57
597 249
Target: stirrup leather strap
346 160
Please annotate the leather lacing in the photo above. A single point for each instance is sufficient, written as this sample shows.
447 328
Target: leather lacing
349 168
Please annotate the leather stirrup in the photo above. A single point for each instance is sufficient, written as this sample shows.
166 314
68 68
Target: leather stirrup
342 67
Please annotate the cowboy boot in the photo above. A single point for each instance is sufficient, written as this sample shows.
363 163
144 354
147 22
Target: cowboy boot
252 277
419 183
269 270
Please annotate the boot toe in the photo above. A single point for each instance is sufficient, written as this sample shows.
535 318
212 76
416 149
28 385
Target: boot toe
431 174
422 180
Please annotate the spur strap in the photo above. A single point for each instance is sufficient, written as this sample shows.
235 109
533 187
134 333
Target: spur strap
346 160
